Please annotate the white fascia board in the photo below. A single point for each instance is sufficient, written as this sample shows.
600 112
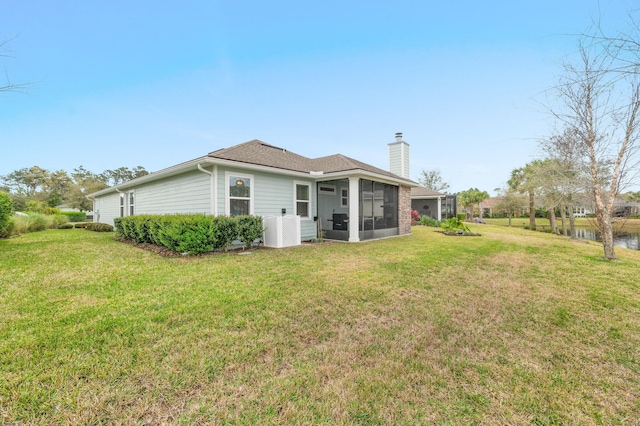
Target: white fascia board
367 175
427 197
203 161
169 171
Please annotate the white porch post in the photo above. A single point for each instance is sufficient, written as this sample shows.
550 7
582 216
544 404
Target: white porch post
354 209
439 208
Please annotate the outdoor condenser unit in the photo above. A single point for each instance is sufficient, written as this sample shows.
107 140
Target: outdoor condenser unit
282 231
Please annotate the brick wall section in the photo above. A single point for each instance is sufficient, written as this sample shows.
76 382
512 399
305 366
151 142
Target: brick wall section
404 207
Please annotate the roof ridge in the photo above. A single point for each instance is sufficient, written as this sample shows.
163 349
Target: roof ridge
251 142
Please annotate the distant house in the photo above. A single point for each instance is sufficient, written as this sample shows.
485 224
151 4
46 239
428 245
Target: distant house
344 198
428 202
67 208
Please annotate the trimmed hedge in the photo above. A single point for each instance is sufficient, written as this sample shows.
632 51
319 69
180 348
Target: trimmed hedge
75 216
98 227
249 229
190 233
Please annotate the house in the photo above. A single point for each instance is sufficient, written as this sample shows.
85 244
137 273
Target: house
343 198
428 202
67 208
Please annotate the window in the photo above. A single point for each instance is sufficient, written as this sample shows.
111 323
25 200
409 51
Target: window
131 203
344 197
326 189
121 205
303 199
239 194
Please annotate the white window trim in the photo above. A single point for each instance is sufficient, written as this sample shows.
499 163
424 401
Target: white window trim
122 205
227 194
295 198
129 204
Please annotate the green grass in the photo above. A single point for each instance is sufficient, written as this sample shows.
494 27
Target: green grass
621 225
513 327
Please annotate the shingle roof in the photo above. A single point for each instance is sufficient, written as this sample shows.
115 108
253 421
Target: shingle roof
261 153
421 191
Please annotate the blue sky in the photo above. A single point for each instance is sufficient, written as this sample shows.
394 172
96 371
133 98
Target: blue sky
157 83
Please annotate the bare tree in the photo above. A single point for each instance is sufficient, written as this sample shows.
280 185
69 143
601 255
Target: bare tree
567 173
9 86
600 104
432 179
511 203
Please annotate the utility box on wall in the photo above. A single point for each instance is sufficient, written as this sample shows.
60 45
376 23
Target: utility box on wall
282 231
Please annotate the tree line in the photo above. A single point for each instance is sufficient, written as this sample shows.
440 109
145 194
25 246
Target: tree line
59 187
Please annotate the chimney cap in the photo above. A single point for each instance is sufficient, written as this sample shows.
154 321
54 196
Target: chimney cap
398 136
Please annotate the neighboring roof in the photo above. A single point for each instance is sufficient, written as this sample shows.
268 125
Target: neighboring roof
421 191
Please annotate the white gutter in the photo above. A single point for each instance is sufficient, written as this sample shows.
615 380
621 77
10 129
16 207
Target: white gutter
213 185
199 162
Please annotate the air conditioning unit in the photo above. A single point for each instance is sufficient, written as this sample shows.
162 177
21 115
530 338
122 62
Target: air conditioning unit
282 231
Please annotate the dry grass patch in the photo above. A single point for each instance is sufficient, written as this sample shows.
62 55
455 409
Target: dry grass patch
507 328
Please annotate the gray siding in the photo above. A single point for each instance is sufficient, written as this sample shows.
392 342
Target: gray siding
190 193
106 208
185 193
272 193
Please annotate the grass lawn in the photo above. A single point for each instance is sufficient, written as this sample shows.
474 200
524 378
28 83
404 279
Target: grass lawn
513 327
620 225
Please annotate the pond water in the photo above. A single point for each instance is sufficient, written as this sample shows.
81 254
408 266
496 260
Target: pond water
630 241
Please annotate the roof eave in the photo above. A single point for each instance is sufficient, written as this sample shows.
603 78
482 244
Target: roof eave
193 164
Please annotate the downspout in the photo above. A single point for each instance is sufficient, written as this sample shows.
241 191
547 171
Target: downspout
212 188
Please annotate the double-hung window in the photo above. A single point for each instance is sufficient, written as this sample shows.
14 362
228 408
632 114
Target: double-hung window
121 205
239 194
302 195
131 203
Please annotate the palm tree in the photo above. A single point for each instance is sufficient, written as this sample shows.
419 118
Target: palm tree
523 180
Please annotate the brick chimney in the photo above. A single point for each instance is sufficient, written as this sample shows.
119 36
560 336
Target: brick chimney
399 157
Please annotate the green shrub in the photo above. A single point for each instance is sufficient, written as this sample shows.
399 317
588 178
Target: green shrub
461 216
36 222
37 207
429 221
58 220
66 226
6 223
141 229
454 226
226 231
190 233
249 229
52 211
80 225
76 216
99 227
